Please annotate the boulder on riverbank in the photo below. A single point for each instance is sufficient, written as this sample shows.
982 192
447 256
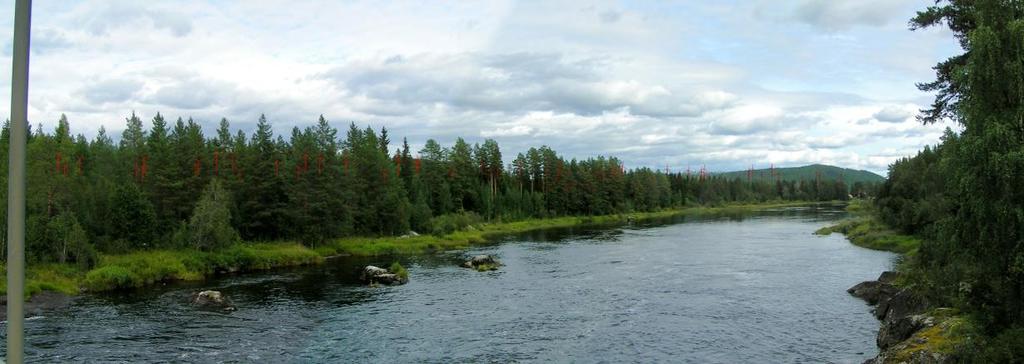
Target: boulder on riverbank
933 340
888 277
212 300
410 234
376 275
909 331
482 263
873 291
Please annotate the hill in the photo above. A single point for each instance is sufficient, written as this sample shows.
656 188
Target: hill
850 176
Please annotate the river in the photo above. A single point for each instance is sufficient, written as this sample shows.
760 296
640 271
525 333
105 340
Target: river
757 288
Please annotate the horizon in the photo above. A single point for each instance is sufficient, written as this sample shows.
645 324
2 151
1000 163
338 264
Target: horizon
656 85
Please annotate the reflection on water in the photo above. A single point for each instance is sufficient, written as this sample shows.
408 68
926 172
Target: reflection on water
725 288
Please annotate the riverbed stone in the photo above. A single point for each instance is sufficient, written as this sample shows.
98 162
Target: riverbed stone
482 262
377 275
213 299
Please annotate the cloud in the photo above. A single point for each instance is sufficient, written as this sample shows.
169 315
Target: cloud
837 15
103 19
47 39
610 16
192 94
895 114
747 119
511 130
514 82
111 90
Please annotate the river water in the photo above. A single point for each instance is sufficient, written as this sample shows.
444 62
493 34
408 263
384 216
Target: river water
757 288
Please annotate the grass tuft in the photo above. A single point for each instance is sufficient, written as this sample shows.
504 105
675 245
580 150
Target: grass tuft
398 270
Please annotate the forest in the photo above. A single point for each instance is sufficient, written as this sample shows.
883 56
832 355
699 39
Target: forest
169 186
964 197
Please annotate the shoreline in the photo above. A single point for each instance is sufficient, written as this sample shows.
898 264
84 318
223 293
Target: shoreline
143 268
910 328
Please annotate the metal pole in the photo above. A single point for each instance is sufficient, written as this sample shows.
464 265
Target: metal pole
16 185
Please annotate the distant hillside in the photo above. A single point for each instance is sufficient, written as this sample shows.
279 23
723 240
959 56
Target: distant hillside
850 176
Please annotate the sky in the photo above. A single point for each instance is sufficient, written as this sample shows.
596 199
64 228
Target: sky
726 84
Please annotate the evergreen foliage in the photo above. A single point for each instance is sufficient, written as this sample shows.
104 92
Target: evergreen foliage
171 187
964 197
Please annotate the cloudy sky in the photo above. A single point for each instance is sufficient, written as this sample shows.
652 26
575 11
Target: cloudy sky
722 83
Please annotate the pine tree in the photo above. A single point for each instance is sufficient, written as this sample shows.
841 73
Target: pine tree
262 195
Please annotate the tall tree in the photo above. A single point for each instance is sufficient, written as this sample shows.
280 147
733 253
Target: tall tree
262 197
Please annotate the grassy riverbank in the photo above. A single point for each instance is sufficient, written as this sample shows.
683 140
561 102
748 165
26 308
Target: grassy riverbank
864 229
138 269
952 333
480 233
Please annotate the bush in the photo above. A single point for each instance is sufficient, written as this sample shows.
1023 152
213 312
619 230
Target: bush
449 223
419 219
210 226
110 277
399 270
60 239
1007 347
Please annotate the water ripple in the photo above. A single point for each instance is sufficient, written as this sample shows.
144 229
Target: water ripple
718 290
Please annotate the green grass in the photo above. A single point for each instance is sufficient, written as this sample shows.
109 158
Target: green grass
148 267
54 277
480 233
142 268
865 230
398 270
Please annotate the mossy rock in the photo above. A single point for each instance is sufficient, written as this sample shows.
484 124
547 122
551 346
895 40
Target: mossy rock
936 342
482 263
486 267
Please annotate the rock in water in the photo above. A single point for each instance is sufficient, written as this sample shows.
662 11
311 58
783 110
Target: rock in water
213 299
482 262
369 272
377 275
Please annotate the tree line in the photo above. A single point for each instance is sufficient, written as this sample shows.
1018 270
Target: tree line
965 196
171 186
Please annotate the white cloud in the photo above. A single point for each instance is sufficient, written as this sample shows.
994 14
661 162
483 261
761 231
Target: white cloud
513 130
747 119
895 114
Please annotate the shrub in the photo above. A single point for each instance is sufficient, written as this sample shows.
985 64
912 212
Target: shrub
419 218
399 270
110 277
1006 347
449 223
210 226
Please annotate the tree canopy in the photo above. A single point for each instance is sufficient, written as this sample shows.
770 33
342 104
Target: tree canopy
171 186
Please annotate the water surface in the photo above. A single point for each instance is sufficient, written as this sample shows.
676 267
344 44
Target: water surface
725 289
